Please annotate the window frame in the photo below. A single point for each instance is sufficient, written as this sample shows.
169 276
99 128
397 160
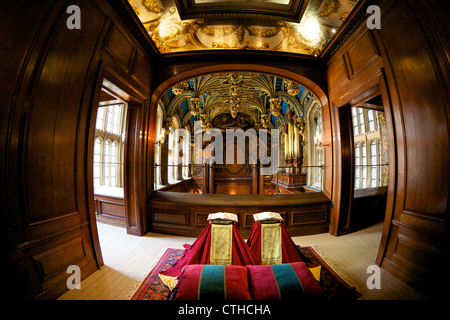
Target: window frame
373 155
364 165
357 166
362 122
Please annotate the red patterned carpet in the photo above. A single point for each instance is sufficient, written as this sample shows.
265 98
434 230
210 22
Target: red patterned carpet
152 288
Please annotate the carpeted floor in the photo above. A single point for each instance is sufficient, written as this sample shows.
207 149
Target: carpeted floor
152 288
128 260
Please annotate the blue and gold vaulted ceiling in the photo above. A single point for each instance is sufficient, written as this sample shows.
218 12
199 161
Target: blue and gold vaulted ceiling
294 26
231 100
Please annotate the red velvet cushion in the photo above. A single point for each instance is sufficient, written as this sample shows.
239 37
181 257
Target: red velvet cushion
283 282
218 282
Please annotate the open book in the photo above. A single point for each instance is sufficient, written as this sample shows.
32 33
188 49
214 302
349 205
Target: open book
264 216
223 216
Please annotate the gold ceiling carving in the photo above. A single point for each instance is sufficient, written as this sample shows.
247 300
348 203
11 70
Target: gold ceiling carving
170 34
152 6
256 95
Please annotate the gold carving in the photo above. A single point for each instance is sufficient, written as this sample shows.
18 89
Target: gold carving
180 88
331 8
171 34
236 93
152 6
344 16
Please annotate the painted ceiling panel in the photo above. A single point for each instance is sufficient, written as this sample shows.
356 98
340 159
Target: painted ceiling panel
235 94
250 25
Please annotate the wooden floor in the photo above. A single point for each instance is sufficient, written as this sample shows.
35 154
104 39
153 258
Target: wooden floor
351 254
128 260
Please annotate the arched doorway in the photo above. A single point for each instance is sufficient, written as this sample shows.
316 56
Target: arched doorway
159 218
317 91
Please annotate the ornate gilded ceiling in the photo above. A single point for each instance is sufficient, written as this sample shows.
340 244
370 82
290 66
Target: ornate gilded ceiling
230 100
294 26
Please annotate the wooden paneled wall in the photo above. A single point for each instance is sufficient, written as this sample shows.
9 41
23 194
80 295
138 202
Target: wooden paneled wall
186 214
50 89
407 62
110 210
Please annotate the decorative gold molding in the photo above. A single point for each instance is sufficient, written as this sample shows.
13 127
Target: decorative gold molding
152 6
171 34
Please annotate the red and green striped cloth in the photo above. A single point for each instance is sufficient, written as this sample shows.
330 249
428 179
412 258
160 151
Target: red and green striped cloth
283 282
213 282
253 282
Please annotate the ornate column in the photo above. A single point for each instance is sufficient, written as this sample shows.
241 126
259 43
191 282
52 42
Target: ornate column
295 147
286 143
290 133
291 153
302 140
300 148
